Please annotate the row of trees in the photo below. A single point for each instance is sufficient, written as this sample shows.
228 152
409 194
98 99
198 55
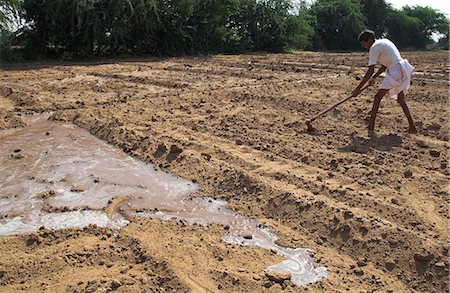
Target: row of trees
80 28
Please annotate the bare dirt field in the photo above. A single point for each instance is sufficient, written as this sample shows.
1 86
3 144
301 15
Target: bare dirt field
374 211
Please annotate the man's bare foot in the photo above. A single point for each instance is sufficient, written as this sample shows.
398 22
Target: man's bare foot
371 133
412 130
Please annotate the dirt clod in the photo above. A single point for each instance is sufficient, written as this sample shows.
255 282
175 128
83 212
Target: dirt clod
435 153
277 277
408 174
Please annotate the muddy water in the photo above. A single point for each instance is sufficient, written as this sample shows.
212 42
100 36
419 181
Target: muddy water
57 175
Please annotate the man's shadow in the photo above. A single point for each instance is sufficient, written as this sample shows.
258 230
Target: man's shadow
364 145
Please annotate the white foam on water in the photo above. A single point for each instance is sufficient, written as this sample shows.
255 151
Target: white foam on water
73 219
298 263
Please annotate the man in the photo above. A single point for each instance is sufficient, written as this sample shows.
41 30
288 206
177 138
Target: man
398 75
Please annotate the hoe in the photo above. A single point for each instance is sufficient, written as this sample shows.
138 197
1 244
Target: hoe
308 122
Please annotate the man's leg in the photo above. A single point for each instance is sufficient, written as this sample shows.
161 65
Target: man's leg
402 103
376 104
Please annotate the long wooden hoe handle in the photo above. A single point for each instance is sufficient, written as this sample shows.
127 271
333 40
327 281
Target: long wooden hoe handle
334 106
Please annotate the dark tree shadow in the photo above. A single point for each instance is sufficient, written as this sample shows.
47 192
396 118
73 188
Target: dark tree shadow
364 145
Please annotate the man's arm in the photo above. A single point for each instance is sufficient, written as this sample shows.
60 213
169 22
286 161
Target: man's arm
366 77
380 71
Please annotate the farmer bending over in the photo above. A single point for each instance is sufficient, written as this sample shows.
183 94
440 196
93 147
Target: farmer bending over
398 75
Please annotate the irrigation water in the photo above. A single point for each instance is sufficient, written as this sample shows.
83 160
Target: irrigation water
57 175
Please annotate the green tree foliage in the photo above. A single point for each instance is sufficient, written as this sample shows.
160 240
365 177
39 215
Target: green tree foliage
89 27
376 13
78 28
268 25
444 42
82 28
404 30
337 24
300 31
9 19
431 22
413 27
194 26
9 11
211 19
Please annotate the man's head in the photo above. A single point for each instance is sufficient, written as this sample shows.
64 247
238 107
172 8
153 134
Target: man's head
366 38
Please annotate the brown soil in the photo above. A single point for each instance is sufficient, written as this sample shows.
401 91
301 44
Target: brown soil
374 211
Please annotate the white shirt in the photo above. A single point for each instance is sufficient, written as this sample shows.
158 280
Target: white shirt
385 52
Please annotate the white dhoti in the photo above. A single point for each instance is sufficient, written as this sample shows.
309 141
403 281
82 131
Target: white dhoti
398 78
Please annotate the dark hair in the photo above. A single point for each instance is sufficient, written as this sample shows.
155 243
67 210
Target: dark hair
366 35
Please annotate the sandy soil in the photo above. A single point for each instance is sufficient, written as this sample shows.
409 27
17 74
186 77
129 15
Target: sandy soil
374 211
